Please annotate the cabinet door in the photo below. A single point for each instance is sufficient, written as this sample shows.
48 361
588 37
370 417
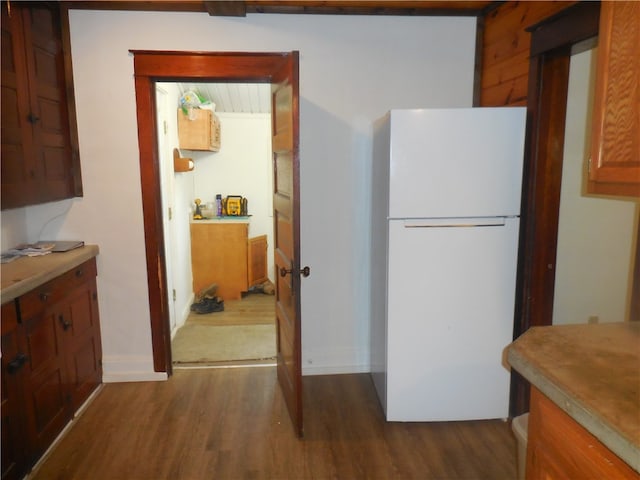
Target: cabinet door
48 117
79 319
38 163
16 140
614 168
257 261
558 448
199 130
14 456
46 380
219 255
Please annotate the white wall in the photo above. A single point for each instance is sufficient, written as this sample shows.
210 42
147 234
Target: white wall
352 70
177 195
241 167
595 235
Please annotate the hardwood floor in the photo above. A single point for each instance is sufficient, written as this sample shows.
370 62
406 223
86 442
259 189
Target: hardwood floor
198 341
233 424
254 309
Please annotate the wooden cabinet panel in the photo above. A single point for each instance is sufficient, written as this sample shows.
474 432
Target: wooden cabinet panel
39 155
58 335
200 130
13 422
614 166
560 449
46 380
50 293
219 255
83 350
257 261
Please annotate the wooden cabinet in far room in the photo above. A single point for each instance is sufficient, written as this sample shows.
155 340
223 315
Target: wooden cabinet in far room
222 253
57 345
199 130
40 161
614 167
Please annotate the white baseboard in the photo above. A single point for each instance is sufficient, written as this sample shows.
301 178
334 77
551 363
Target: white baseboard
130 368
335 360
308 370
182 319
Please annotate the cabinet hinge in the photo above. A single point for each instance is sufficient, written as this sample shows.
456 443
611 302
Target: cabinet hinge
170 213
175 296
166 127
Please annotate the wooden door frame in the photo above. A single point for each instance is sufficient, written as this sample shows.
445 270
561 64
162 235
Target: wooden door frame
170 66
553 41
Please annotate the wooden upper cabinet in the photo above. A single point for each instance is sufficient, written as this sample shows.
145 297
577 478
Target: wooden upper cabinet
199 130
614 167
39 138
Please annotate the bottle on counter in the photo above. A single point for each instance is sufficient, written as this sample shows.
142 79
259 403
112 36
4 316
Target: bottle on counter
219 205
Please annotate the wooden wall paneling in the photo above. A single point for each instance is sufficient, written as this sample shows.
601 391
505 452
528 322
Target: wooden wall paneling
505 62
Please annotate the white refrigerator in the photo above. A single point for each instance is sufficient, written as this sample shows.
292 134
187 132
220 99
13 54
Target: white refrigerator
445 219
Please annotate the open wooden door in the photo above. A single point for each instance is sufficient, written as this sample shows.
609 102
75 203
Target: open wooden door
286 200
281 71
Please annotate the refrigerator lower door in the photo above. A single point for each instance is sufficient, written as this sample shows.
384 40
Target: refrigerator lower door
451 290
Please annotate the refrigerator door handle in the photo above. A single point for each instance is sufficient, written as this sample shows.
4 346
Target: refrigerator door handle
456 222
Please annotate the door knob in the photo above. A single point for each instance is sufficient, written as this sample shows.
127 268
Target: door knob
305 272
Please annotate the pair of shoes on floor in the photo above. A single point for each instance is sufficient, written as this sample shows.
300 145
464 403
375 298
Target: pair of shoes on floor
207 292
208 305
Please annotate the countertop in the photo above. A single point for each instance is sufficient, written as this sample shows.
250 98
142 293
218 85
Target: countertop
225 219
26 273
592 372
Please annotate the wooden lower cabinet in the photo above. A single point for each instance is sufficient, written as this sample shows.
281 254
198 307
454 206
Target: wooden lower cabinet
14 421
56 340
222 253
560 449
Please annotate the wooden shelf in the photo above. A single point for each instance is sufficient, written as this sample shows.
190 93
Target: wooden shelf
181 164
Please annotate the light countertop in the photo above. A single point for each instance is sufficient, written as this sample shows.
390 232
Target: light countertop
225 219
592 372
26 273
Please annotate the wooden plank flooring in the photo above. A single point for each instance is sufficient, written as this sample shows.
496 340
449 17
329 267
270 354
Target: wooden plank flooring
254 309
233 424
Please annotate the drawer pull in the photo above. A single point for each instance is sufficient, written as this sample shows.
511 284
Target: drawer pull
65 324
44 296
79 272
17 363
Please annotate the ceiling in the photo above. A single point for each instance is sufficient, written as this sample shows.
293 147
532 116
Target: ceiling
233 97
241 8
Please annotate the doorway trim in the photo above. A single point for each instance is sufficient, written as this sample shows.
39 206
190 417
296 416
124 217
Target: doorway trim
171 66
553 41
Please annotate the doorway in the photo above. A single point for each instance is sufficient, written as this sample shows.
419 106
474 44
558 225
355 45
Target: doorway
242 331
281 71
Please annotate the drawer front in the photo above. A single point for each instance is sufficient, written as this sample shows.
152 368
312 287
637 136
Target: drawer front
48 294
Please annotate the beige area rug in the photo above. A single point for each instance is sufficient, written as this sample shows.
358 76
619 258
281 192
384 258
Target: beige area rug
244 332
203 344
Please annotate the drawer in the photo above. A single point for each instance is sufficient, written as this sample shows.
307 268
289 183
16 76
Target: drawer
50 293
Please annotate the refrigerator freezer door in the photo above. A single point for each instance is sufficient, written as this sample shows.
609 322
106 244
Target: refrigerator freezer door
456 162
451 296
